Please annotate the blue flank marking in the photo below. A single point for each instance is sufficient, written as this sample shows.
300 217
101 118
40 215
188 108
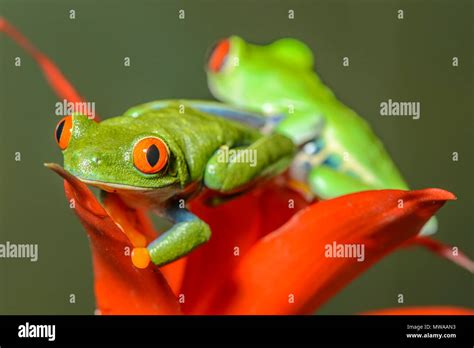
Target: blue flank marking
319 145
239 116
332 161
275 119
178 215
307 167
314 147
251 119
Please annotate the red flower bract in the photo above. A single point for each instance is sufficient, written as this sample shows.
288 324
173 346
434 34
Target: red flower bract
284 271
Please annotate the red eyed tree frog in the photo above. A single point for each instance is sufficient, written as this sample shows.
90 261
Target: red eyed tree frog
158 155
340 153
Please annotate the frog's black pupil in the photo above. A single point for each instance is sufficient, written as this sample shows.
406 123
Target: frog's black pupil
59 130
152 155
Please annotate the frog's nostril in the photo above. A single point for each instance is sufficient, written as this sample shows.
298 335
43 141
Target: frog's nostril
96 160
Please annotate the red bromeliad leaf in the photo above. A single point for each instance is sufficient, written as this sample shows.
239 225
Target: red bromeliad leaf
174 274
120 288
236 225
289 261
208 264
287 271
430 310
444 251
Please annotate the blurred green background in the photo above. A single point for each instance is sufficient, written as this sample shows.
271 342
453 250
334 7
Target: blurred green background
405 60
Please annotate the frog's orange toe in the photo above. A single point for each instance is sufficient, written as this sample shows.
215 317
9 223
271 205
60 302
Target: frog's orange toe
140 257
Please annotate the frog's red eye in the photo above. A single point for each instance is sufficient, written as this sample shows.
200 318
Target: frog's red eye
62 134
218 55
150 155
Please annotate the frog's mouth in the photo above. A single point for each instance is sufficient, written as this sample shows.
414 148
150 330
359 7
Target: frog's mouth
106 186
112 187
133 196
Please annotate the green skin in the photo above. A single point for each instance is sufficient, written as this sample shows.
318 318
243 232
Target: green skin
101 154
279 79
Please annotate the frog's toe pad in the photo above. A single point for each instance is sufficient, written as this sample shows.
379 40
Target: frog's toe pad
140 257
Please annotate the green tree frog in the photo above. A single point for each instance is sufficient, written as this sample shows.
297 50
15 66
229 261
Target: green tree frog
340 153
158 155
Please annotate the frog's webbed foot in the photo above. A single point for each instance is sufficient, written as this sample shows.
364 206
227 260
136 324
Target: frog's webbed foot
188 233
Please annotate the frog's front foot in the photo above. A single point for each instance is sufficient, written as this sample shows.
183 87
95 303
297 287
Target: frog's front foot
179 240
188 233
234 169
175 243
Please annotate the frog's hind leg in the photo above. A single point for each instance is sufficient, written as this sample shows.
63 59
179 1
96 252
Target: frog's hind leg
234 169
327 182
188 233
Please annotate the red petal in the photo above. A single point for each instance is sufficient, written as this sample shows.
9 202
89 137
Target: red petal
206 265
290 263
174 273
236 223
444 251
431 310
120 288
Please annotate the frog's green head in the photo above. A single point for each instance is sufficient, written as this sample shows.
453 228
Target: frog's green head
260 78
118 154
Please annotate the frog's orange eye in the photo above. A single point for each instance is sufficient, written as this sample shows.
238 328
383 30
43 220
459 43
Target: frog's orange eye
218 55
62 134
150 155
